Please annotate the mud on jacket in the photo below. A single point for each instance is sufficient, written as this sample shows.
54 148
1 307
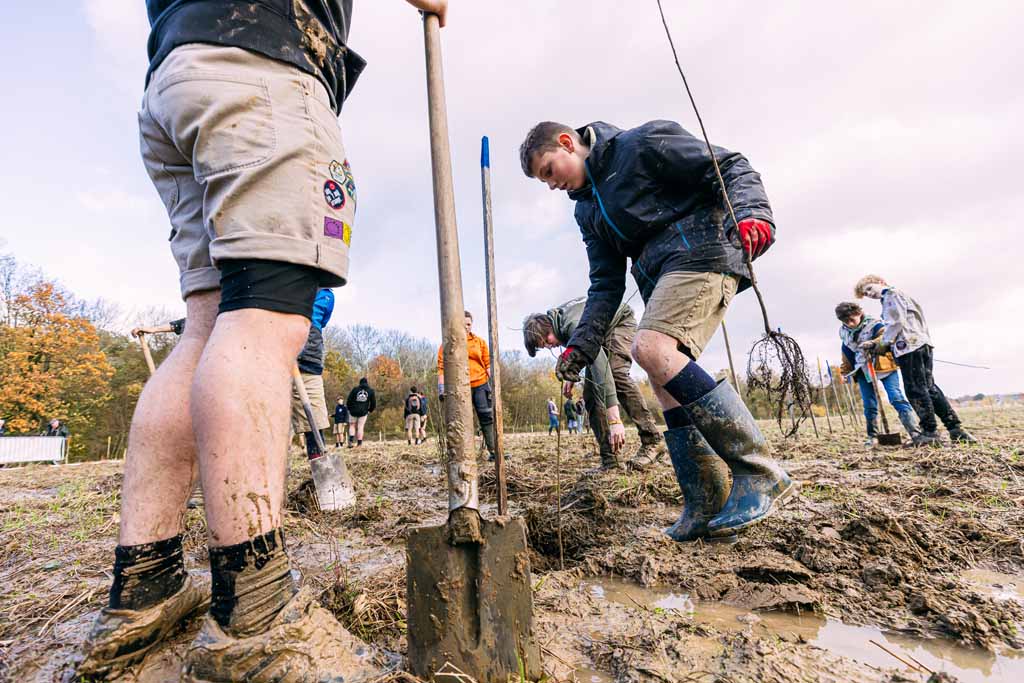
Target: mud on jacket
652 196
310 35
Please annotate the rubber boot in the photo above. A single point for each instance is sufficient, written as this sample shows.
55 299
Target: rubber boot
872 436
910 423
703 479
490 440
759 484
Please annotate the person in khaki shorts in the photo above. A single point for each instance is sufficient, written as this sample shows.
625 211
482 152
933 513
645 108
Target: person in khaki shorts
239 134
413 419
650 194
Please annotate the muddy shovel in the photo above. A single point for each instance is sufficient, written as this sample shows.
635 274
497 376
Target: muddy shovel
470 606
333 483
886 438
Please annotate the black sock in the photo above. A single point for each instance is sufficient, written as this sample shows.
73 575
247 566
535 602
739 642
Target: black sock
676 418
690 384
252 582
312 450
147 574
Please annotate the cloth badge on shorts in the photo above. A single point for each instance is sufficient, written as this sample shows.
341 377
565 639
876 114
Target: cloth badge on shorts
338 230
337 171
333 195
350 187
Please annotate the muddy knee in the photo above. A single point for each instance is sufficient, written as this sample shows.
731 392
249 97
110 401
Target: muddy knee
652 350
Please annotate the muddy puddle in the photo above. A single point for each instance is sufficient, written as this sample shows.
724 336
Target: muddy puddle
861 643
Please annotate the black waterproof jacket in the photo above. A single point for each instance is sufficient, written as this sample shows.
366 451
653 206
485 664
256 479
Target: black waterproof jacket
652 196
362 400
308 34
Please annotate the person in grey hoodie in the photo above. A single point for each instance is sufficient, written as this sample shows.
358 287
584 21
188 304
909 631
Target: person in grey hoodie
906 333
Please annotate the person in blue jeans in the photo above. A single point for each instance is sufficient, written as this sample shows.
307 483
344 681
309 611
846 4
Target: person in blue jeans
856 329
552 416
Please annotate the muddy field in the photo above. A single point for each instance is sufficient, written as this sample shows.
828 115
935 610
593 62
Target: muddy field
891 564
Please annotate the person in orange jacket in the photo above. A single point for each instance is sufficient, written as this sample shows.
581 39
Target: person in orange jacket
479 382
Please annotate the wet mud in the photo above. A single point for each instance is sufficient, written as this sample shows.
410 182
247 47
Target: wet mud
890 565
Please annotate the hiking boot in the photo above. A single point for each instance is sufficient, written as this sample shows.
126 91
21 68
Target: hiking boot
759 484
703 479
121 638
647 455
304 643
961 435
927 439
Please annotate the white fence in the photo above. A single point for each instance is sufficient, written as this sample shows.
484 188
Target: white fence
14 449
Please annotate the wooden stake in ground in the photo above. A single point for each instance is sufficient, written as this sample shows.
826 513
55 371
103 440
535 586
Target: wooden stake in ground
492 326
824 397
858 415
835 392
732 368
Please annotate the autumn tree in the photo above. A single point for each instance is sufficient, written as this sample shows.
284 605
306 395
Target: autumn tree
51 364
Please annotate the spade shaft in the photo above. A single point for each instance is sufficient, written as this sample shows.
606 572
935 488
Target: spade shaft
470 604
492 325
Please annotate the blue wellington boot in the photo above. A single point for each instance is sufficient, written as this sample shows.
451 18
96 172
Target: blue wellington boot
703 478
759 484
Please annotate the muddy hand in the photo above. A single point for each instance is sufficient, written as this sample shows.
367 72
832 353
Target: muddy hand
570 363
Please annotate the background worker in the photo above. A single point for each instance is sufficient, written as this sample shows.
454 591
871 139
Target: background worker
858 328
479 382
607 375
239 134
362 401
906 334
340 422
569 410
311 369
424 414
55 428
553 424
411 413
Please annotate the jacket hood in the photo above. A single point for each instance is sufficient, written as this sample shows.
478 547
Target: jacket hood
363 382
596 135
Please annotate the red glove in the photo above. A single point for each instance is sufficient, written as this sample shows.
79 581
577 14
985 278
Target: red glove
755 236
570 363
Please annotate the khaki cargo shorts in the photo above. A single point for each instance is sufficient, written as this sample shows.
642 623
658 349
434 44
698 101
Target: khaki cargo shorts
247 156
315 389
689 307
412 422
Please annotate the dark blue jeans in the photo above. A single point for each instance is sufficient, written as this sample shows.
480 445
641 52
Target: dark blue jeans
891 385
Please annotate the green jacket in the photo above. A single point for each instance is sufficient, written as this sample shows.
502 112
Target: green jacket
564 320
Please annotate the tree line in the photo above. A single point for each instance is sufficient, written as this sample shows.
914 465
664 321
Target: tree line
67 358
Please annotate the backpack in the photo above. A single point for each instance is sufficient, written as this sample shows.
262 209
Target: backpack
413 403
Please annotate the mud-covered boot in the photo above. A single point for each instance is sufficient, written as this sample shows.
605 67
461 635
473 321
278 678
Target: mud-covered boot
121 638
759 484
703 479
927 439
871 440
910 423
304 643
647 455
490 440
961 435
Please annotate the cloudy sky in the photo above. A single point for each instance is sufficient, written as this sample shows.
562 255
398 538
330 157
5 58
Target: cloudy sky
888 135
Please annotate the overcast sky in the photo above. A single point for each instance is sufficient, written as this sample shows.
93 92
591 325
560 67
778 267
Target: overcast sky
888 136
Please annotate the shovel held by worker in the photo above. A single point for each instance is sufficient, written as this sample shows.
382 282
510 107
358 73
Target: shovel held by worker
885 438
470 606
334 487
